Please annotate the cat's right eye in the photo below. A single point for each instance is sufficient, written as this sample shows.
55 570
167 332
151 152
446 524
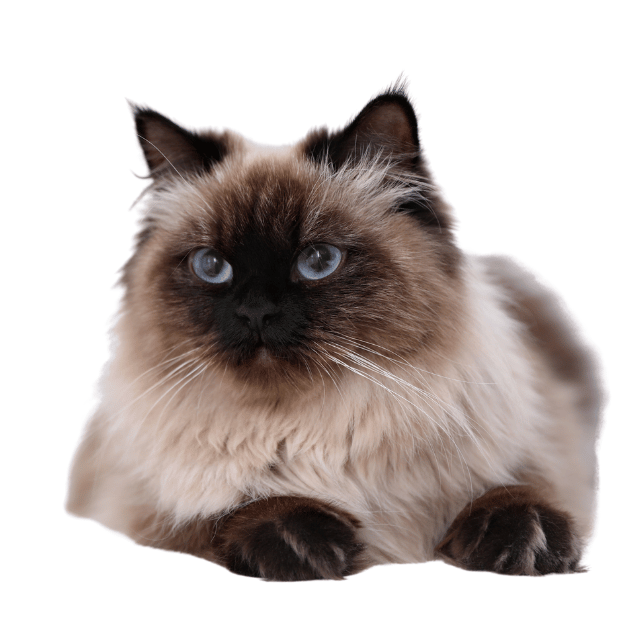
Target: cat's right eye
318 261
209 266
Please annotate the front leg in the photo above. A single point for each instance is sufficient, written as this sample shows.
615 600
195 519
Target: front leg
512 530
289 539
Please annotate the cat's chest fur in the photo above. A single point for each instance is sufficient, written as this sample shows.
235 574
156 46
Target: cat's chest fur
402 457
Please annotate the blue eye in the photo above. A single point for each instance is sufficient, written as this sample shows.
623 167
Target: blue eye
318 261
209 266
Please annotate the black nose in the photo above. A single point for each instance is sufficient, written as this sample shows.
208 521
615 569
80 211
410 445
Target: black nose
258 316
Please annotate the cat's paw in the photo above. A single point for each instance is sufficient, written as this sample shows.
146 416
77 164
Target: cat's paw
290 539
511 531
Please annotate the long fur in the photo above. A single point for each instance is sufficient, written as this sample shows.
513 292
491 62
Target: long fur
449 394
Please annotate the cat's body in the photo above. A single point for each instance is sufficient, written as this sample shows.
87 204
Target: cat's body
296 425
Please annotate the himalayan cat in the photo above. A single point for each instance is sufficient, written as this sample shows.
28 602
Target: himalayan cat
310 378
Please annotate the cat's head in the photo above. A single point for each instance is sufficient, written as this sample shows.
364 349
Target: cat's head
286 265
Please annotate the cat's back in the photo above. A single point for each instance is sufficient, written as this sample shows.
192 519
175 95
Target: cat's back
550 331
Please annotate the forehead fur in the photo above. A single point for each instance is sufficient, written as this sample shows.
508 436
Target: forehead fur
277 191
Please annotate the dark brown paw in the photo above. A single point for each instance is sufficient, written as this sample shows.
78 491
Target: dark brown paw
511 531
290 539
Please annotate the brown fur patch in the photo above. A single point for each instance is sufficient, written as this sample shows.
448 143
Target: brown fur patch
551 331
195 537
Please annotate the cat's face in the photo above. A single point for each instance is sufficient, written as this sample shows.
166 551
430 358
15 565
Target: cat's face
287 265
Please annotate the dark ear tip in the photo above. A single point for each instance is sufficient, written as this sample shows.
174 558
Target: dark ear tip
396 95
140 114
138 110
398 92
143 114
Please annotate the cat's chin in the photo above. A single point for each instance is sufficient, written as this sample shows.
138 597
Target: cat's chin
271 374
260 362
264 358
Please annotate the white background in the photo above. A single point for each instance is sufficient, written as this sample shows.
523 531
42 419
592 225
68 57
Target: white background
521 112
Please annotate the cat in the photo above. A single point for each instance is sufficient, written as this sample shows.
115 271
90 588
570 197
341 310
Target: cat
309 378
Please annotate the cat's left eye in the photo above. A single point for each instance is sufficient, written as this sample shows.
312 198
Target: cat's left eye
210 266
318 261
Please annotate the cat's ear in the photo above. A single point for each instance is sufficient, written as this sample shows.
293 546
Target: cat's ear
387 126
170 149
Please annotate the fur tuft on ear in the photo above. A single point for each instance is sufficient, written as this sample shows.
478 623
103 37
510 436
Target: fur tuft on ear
170 149
386 126
386 129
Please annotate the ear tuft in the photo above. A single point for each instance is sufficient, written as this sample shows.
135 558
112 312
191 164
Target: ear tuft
170 149
386 126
